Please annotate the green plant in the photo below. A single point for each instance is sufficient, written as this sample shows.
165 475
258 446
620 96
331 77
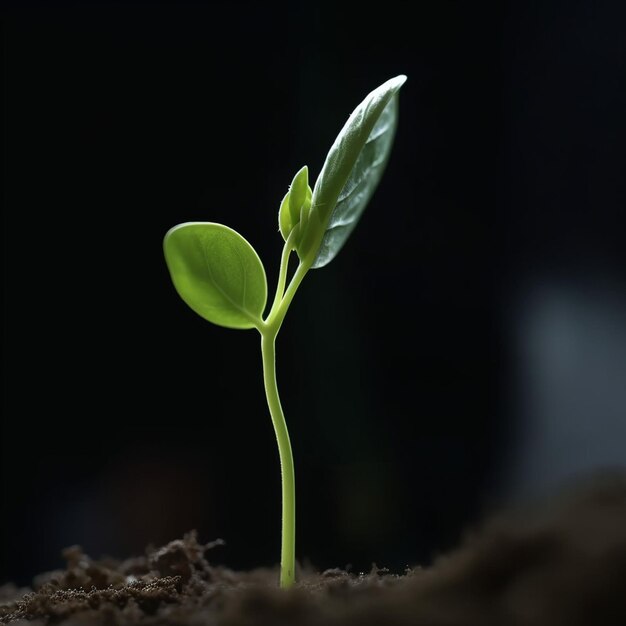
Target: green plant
220 276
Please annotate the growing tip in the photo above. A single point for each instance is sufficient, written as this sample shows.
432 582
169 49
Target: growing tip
300 181
392 85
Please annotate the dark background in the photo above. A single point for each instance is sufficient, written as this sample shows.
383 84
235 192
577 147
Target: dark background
466 348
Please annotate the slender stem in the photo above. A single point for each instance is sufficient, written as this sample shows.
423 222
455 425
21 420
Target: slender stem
282 276
288 534
277 314
269 330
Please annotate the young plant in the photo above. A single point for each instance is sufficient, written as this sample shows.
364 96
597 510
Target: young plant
220 276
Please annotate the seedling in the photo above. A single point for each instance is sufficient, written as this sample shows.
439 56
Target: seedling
221 277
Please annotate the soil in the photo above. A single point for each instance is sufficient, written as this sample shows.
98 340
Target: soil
559 563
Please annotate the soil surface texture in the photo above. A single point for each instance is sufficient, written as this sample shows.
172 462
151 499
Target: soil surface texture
560 563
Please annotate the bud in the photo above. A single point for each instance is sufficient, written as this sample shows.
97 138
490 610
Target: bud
298 193
295 206
284 218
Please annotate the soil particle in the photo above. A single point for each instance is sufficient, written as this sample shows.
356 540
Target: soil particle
559 564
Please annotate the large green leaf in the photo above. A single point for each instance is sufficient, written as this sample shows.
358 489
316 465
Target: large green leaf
217 273
351 172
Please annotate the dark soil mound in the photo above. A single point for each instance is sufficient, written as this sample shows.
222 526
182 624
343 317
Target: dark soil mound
559 564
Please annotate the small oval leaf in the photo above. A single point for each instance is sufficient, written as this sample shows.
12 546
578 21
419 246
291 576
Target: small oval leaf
217 273
285 223
295 204
298 193
352 171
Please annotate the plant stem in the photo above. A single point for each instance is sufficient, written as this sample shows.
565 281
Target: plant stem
277 314
282 276
288 533
269 330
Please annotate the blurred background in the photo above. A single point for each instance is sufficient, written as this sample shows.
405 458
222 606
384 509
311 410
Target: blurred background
465 350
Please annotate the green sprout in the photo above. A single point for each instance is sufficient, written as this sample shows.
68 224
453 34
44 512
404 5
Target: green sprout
221 277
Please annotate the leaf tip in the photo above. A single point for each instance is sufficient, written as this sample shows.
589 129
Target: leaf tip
397 81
